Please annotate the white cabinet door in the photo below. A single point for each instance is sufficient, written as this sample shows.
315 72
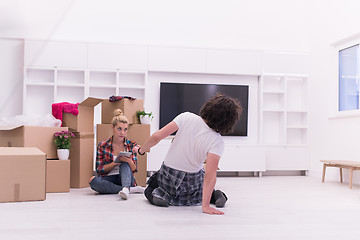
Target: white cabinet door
287 158
55 54
243 158
234 62
286 63
175 59
116 56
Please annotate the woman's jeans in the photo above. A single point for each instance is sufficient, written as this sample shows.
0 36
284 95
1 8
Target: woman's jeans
114 183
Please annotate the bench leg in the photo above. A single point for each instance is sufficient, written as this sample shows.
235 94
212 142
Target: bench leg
324 169
323 175
341 178
351 177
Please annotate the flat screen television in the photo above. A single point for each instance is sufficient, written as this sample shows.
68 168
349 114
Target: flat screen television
176 98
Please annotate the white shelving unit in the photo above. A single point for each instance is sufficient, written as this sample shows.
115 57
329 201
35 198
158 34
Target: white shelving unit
44 86
284 120
284 109
57 71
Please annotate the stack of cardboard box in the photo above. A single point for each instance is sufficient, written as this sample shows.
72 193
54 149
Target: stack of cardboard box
137 132
82 145
29 159
25 155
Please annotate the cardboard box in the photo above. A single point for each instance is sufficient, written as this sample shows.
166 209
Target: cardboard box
136 132
81 159
129 108
23 174
57 176
84 121
141 174
32 136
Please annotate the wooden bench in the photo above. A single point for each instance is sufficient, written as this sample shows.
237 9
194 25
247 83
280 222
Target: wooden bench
352 165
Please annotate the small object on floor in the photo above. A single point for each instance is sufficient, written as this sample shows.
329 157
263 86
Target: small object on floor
160 202
137 189
220 199
124 193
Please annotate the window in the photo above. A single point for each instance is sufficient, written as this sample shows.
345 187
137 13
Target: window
349 78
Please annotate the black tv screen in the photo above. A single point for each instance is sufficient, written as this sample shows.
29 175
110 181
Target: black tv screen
176 98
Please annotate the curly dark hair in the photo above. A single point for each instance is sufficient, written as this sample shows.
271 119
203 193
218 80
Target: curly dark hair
221 113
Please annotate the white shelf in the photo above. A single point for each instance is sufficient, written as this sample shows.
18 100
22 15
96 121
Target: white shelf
40 84
296 111
273 92
296 126
274 110
102 86
70 85
132 87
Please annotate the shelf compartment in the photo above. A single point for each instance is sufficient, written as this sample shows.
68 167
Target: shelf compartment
273 101
273 130
39 99
45 76
296 136
70 94
70 77
104 78
102 92
273 84
132 92
297 95
132 79
297 119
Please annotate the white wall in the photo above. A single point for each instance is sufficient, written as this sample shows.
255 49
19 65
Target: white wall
330 138
244 24
11 77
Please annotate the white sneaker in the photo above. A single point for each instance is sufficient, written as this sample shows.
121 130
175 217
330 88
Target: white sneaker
137 189
124 193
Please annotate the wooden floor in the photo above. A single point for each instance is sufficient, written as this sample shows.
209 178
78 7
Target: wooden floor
270 207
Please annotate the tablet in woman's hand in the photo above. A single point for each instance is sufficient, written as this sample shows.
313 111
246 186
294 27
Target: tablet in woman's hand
122 154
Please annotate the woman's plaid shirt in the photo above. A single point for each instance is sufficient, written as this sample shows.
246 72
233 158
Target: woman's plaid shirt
104 154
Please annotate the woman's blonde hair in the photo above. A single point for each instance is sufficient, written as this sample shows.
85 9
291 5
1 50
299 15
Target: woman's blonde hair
119 117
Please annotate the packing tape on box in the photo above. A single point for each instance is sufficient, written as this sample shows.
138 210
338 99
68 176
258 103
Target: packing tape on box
84 134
